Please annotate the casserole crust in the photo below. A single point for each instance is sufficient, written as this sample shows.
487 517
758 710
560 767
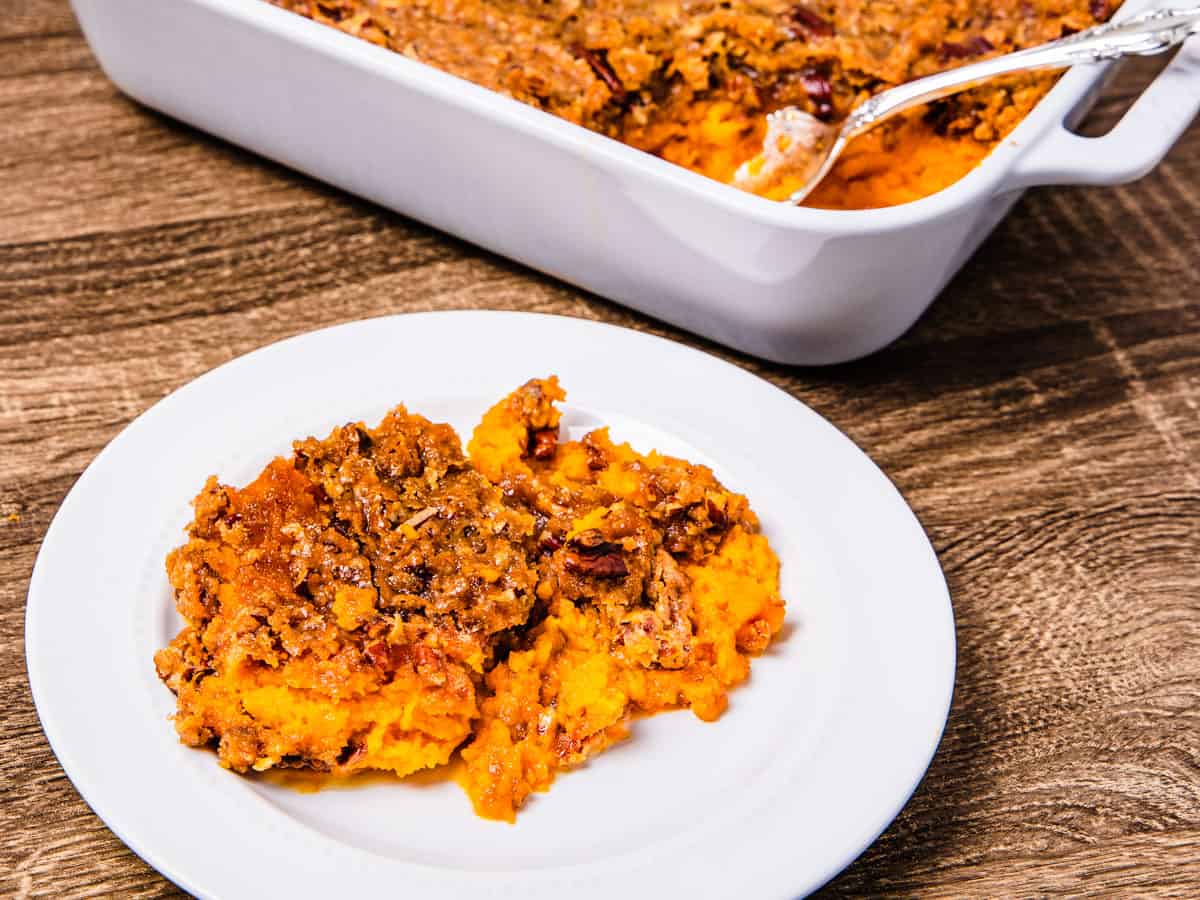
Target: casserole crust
692 81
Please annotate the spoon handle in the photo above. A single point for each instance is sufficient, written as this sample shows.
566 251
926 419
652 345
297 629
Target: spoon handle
1151 32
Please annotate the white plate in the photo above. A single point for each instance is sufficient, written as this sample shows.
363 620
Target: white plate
813 759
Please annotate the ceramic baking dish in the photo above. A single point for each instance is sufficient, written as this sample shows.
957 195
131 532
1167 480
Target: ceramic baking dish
792 285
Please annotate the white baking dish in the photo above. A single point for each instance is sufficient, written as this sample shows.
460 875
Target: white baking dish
792 285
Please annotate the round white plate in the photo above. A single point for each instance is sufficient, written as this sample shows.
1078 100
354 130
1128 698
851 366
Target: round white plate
816 754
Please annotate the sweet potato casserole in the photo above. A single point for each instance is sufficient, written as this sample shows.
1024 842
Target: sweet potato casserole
381 599
692 80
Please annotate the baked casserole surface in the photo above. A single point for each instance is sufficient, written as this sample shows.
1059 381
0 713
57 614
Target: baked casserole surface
692 80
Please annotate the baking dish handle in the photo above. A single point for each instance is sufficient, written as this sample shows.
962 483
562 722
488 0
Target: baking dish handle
1136 145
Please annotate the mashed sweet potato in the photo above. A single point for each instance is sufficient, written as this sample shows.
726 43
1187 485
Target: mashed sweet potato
379 600
693 80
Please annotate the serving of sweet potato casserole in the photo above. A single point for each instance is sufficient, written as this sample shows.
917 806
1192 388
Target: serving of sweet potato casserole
381 600
692 80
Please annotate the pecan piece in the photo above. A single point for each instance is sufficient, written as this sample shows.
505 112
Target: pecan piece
603 565
973 46
597 460
716 515
592 555
820 91
543 443
803 22
588 540
1098 9
599 63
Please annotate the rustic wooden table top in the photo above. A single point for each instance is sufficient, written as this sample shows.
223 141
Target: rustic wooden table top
1043 420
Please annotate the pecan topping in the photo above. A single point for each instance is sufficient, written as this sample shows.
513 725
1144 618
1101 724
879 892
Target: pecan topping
596 458
973 46
803 22
599 63
1098 9
604 565
588 540
820 91
592 555
716 515
543 443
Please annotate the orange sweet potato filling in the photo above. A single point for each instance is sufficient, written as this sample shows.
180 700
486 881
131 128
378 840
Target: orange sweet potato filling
379 600
692 80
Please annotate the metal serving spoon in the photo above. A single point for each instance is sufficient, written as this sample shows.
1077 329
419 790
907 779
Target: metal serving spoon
800 144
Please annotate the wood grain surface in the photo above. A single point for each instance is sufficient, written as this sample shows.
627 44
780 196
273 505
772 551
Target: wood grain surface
1043 420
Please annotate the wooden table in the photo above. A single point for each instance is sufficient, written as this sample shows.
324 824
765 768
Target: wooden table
1043 420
